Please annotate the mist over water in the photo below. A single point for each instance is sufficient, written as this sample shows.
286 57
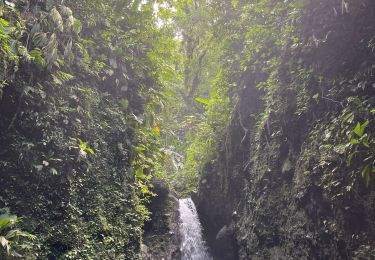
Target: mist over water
193 246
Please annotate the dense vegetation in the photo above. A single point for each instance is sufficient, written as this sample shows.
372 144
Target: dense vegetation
296 162
78 147
263 107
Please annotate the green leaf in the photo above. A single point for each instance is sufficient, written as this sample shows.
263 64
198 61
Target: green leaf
35 29
364 125
37 57
4 22
90 150
6 220
63 76
124 103
372 111
56 18
4 223
139 173
65 11
82 144
365 144
77 26
203 101
316 96
360 128
366 174
354 141
40 39
357 130
137 148
347 117
350 158
18 233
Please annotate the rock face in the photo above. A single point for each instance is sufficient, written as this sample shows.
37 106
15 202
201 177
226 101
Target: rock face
290 181
161 238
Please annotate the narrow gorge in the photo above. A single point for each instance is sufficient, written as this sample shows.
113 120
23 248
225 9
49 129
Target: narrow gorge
187 129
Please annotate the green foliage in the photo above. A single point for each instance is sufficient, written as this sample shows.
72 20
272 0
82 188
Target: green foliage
11 237
203 101
359 130
202 139
346 148
97 98
83 149
73 126
361 144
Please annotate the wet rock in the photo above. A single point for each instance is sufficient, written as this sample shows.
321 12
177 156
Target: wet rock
162 239
225 243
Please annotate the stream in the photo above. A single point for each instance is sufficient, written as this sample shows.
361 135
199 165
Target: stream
193 247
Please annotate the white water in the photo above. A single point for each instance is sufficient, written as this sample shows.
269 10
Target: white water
193 246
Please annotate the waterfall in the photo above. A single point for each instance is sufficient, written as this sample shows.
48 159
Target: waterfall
193 247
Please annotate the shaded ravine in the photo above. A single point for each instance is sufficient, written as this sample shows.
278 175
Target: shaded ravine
193 247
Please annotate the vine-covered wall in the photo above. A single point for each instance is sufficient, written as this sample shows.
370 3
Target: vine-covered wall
74 80
297 181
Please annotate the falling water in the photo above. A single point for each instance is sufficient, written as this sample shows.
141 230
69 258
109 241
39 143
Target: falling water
193 246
